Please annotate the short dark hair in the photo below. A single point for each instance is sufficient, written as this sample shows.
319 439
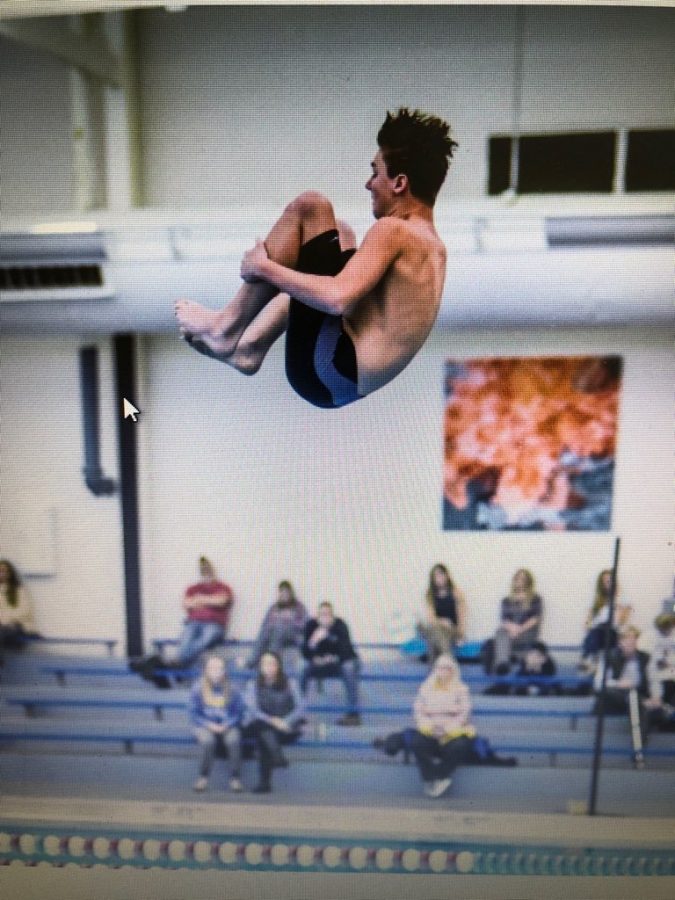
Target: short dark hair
418 145
287 586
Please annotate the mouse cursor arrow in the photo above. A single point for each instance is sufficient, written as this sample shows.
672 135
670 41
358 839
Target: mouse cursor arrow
130 410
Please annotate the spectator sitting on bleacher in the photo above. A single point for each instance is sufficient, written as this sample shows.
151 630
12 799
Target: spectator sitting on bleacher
208 605
535 663
444 735
16 609
444 623
329 653
216 713
283 625
661 673
275 715
594 640
520 620
626 670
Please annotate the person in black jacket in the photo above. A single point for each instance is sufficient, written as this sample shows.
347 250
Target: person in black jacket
536 663
329 653
627 669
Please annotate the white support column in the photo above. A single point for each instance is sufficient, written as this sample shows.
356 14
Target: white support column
84 48
123 118
105 108
88 126
88 155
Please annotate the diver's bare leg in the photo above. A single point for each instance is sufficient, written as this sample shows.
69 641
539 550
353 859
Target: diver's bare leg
257 339
307 216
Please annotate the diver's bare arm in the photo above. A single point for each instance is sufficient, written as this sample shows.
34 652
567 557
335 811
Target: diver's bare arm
334 295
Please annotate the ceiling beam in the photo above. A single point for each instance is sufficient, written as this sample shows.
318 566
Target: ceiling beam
25 9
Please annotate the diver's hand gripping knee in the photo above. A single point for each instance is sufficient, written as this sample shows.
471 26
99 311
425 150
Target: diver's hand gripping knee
251 261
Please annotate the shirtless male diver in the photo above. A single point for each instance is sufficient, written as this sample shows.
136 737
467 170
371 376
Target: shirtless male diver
357 316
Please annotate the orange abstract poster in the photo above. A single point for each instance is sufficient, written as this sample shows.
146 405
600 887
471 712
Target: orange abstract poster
529 443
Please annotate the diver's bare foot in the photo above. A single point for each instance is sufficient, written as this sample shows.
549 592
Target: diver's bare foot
197 321
195 318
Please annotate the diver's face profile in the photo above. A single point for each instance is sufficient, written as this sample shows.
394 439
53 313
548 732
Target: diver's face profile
381 186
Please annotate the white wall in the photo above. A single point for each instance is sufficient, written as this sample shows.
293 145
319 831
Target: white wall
36 160
285 99
248 105
41 463
347 503
252 105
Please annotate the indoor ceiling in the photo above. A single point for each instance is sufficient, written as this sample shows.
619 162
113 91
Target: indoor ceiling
13 9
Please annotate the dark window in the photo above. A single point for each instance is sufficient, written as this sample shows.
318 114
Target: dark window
650 164
500 165
555 163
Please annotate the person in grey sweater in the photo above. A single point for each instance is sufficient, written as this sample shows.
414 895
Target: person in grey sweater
274 715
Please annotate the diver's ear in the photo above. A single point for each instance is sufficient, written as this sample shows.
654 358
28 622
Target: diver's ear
400 183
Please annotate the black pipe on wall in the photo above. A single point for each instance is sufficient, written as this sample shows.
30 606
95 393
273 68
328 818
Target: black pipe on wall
94 478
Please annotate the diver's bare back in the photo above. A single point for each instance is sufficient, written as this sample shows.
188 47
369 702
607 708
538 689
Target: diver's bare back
389 325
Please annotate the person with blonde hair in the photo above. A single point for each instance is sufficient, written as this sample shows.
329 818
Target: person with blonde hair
444 733
444 624
627 670
520 620
216 714
596 622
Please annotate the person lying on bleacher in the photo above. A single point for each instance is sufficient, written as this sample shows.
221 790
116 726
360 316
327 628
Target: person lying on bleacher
274 716
216 713
535 663
16 608
283 625
626 670
443 738
329 653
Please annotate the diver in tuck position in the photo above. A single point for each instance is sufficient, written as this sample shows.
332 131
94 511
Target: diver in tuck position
357 316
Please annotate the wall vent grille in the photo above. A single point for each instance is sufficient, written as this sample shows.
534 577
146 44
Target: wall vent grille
50 277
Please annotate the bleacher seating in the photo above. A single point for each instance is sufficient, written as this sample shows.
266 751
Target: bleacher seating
40 640
100 706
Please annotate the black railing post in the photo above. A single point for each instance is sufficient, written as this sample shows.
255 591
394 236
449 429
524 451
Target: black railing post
125 382
600 701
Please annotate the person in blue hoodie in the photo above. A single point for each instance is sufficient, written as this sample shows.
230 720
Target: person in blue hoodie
216 714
